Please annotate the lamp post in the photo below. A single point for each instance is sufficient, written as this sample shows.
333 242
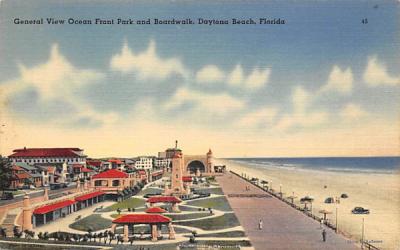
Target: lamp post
280 190
336 219
362 234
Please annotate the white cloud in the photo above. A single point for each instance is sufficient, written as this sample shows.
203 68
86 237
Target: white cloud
255 80
57 77
258 78
301 115
210 74
259 117
205 102
235 78
339 80
352 112
147 64
377 74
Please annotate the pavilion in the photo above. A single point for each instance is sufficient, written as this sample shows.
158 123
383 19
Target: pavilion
172 200
155 210
155 221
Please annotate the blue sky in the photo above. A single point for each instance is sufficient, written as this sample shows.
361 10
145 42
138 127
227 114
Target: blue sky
323 77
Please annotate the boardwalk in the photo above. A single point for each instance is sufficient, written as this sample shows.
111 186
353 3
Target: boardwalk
283 226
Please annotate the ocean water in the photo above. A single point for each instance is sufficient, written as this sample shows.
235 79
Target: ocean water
377 165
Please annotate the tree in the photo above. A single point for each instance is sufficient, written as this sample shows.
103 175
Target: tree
5 173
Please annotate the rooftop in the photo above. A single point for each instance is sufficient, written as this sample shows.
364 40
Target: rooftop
112 173
89 195
155 210
46 152
166 199
142 219
52 207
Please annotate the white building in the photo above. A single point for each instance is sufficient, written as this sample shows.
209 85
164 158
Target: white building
144 162
32 156
162 162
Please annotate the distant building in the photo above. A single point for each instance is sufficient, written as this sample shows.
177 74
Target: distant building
160 163
113 181
34 173
144 162
32 156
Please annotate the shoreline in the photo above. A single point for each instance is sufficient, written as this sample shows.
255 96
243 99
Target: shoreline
374 191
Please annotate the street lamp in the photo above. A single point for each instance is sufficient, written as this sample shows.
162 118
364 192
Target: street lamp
280 190
362 234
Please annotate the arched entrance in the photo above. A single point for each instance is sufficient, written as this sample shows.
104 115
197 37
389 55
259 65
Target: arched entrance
194 165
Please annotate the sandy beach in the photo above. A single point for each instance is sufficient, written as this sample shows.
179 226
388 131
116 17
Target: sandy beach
378 192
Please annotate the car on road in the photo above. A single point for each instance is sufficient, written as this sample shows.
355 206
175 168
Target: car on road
360 210
7 196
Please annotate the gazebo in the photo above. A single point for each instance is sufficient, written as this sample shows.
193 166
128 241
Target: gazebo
165 199
155 210
154 220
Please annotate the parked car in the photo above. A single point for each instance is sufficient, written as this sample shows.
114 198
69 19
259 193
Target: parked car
7 196
360 210
329 200
344 196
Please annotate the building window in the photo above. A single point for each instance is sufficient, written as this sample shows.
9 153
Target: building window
97 183
115 183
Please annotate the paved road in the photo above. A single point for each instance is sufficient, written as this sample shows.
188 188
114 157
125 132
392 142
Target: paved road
52 194
283 226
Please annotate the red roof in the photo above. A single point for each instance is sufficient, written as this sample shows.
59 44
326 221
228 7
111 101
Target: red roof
117 161
46 152
93 163
22 176
88 196
155 210
86 170
142 219
52 207
187 178
112 173
166 199
17 168
157 173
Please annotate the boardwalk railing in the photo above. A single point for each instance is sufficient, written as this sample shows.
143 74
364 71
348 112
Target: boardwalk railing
279 196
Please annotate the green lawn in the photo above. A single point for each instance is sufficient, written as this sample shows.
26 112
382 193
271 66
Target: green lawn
216 223
150 190
188 216
215 190
185 208
220 203
94 222
129 203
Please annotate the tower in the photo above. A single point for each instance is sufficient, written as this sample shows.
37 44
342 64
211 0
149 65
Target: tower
177 174
210 162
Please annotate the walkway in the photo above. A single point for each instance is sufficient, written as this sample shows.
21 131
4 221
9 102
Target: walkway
283 226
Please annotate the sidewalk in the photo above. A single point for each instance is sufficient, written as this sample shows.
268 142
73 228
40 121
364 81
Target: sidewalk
283 226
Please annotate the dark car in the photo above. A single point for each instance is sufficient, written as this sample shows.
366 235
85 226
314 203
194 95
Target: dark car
344 196
360 210
329 200
7 196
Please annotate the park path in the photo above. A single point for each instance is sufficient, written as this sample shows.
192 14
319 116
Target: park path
283 226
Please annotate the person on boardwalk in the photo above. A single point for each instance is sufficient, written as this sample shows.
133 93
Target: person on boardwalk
260 225
323 235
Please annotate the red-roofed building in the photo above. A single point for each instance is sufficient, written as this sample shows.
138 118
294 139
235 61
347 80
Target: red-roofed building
166 201
187 178
113 181
53 211
48 155
89 199
155 210
156 221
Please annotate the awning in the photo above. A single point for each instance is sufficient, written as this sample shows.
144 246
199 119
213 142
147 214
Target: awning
89 196
53 207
